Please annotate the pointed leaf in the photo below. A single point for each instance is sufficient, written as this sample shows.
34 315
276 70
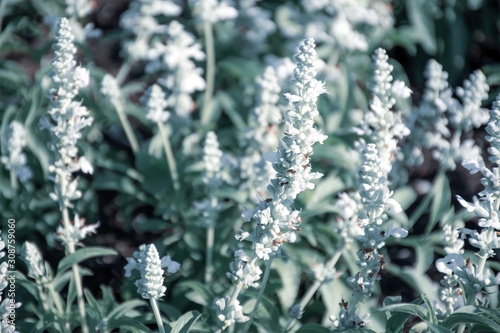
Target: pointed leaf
82 255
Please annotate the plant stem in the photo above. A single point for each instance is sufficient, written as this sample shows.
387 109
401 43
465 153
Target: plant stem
57 303
314 287
76 274
170 156
127 128
13 180
123 72
210 240
156 312
210 75
261 293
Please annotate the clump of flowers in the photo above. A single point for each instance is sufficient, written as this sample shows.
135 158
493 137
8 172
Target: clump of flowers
383 126
140 21
376 199
213 10
147 261
13 143
475 277
150 286
448 118
261 136
177 56
276 221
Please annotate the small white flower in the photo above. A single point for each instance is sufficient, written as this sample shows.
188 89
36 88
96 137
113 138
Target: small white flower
262 252
81 76
450 263
399 89
85 165
76 231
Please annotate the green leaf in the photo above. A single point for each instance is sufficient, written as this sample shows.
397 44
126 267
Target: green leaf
125 307
433 317
290 278
441 202
471 315
433 327
312 328
405 196
82 255
184 323
200 294
396 322
129 324
227 105
325 189
412 309
93 304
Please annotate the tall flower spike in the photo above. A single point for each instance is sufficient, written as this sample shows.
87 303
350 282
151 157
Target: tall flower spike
382 125
13 142
213 10
69 116
276 221
140 20
212 163
178 56
155 104
30 253
147 261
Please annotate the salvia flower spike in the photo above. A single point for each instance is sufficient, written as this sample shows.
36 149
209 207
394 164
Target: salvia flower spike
277 222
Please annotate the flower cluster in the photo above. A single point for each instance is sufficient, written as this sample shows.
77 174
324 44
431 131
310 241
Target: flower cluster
255 24
177 56
381 125
31 255
276 221
473 278
155 104
261 136
76 232
69 117
212 161
111 89
140 20
147 261
448 118
376 199
347 225
344 25
213 10
13 142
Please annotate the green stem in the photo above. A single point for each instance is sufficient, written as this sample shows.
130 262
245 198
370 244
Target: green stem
170 156
126 127
57 303
482 263
210 75
156 312
76 274
210 242
123 72
13 180
314 287
261 293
